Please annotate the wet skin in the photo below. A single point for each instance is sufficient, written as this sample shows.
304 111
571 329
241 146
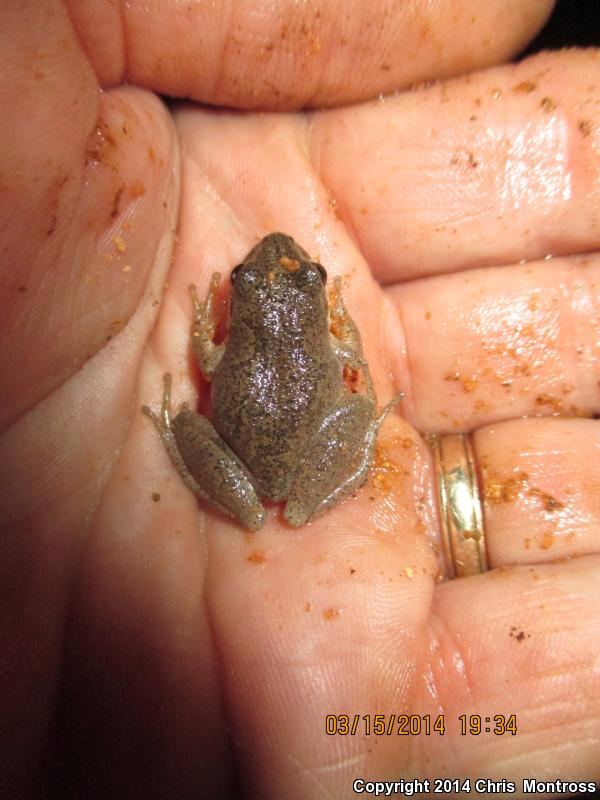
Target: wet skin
285 426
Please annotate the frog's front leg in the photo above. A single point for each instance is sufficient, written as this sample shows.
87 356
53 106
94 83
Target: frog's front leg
206 352
206 464
337 460
345 337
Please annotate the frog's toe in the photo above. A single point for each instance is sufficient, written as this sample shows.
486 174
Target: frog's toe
253 517
295 514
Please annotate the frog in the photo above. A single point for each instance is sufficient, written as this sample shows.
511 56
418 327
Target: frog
287 424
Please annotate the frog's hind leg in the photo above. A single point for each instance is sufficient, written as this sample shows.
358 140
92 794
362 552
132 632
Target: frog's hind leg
200 454
338 459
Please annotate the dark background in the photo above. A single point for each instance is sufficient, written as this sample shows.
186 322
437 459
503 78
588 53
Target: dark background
574 23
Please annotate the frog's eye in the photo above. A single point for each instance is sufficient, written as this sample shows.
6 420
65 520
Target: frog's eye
235 271
322 272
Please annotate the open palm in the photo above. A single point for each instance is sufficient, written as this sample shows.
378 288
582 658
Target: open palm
151 647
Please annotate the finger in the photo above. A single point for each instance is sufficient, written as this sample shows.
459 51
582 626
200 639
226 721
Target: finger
334 624
490 169
497 343
88 200
522 641
79 192
540 489
289 56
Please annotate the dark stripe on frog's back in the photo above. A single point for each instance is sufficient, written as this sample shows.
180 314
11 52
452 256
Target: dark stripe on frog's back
282 392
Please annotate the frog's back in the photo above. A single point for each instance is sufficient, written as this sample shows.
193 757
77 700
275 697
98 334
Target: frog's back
282 389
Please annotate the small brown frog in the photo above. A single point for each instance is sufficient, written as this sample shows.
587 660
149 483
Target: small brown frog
285 426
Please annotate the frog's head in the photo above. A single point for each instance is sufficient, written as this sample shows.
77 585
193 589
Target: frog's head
277 270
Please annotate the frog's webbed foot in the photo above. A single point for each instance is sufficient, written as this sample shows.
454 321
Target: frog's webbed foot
337 460
206 352
207 466
162 421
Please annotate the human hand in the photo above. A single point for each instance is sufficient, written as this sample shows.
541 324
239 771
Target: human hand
197 658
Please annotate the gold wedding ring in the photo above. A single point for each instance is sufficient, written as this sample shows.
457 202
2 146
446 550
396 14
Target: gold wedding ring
460 505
